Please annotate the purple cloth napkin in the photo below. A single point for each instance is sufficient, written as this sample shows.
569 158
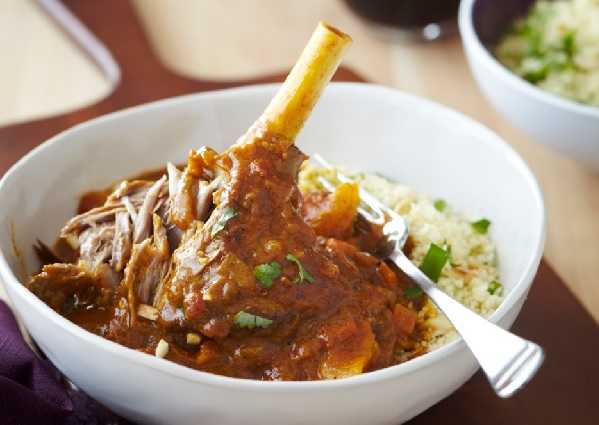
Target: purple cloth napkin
32 391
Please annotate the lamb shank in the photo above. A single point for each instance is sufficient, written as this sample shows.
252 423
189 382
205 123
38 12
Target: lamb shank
226 267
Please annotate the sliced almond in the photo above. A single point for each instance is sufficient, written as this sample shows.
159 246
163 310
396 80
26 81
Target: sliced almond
147 311
162 349
193 338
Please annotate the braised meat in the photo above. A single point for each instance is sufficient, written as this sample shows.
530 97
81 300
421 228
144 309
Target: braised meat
228 265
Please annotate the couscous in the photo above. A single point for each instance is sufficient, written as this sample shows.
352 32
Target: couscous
470 276
556 47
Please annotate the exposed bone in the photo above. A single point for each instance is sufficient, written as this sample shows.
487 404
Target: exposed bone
290 108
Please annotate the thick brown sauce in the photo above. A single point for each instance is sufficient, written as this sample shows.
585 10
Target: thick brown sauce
353 312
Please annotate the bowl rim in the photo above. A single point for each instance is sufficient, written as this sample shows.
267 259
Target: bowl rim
471 39
175 370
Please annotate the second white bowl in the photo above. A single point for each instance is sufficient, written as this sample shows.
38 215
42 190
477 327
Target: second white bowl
564 125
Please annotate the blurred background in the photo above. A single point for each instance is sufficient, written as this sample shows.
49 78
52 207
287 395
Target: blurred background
44 73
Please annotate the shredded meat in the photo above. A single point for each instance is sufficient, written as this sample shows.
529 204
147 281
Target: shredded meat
148 264
348 317
143 220
122 241
57 284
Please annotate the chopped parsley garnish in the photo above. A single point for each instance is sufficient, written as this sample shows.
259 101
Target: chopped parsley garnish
568 44
532 54
266 273
447 248
481 226
228 214
412 292
494 288
440 205
250 321
303 274
434 261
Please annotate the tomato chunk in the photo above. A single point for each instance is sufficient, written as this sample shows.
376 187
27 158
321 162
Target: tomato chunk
404 319
194 306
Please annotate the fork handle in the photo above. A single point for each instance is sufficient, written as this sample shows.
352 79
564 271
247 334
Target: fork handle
508 360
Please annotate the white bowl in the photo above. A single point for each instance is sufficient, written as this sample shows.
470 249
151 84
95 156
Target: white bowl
360 126
564 125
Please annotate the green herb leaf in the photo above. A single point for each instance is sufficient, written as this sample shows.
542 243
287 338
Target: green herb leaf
568 43
228 214
536 76
303 274
447 248
434 261
412 292
494 288
481 226
440 205
267 272
250 321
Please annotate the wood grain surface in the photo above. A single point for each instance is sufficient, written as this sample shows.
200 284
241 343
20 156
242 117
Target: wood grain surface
565 389
41 71
239 39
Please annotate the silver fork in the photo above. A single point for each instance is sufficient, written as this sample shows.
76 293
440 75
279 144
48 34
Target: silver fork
508 360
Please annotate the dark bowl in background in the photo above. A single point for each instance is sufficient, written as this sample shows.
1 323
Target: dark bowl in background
491 22
425 20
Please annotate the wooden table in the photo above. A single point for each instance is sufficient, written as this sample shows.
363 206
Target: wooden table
44 74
